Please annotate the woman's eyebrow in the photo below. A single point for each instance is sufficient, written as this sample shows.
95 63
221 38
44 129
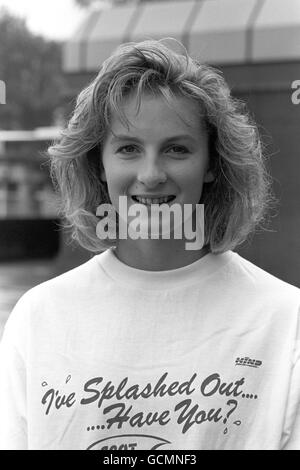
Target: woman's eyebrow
116 138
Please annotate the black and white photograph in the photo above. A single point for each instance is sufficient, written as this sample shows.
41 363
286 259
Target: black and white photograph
150 227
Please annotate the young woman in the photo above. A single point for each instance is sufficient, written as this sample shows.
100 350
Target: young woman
151 344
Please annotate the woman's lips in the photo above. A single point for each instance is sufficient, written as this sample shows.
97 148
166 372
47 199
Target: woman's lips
148 200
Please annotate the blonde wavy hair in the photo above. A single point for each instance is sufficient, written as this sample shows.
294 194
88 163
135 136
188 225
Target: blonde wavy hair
235 202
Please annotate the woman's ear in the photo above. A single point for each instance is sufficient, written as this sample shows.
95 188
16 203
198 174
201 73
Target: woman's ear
209 177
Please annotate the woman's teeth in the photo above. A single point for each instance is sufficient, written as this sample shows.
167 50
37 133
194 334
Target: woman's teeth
150 201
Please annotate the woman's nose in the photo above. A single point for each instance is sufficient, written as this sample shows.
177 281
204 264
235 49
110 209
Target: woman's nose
151 174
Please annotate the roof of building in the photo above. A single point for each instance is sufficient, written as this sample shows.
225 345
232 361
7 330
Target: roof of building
214 31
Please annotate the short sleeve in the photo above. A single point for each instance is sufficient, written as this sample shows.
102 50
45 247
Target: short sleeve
291 435
13 422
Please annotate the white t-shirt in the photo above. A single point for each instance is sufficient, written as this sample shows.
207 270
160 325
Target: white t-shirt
107 356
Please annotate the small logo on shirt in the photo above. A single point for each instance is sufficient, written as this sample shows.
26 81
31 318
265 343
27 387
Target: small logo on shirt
246 361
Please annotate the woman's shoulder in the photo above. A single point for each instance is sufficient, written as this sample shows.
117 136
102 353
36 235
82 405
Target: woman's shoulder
62 286
50 295
261 279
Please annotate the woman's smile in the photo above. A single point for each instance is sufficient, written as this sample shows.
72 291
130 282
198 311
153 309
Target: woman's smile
149 200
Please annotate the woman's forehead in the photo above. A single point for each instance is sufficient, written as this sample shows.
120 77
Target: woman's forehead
156 110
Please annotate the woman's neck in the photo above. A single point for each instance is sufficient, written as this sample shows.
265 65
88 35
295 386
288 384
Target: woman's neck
157 255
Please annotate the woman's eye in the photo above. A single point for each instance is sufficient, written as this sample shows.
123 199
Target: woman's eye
176 150
179 149
127 149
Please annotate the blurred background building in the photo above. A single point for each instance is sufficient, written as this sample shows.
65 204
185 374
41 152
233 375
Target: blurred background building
256 44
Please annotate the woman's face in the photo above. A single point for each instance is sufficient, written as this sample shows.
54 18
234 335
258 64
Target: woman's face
163 153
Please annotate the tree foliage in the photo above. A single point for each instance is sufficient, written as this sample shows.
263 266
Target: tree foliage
30 66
